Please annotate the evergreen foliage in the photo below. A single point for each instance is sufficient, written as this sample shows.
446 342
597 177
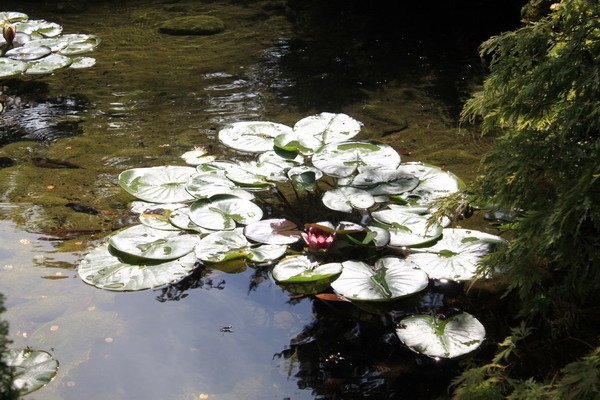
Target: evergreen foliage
6 390
542 101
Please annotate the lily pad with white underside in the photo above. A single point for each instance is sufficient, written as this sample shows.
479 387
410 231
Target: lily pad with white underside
206 185
444 338
343 159
252 136
7 17
228 245
304 269
313 132
345 199
154 244
255 174
158 184
10 67
222 212
48 65
33 369
39 27
108 269
273 231
456 256
390 278
407 229
197 157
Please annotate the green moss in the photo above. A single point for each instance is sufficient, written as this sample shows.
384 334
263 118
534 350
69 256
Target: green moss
192 25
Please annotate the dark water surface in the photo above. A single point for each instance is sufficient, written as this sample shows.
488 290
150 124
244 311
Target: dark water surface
402 70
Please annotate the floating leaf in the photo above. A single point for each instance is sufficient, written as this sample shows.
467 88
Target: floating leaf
390 278
382 181
457 255
303 269
82 62
158 184
253 136
158 216
345 199
283 159
273 231
222 212
55 44
108 269
39 27
79 43
254 174
222 246
33 369
206 185
266 252
48 65
10 68
312 132
181 219
12 16
28 53
197 157
407 229
444 338
434 183
304 178
343 159
145 242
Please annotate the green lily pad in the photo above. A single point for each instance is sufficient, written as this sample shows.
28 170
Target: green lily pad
106 268
28 53
390 278
33 369
48 65
158 184
283 159
197 157
343 159
382 181
448 338
229 245
304 178
79 43
257 175
252 136
273 231
456 255
154 244
434 183
206 185
10 68
7 17
407 229
305 269
82 62
222 212
158 216
39 27
345 199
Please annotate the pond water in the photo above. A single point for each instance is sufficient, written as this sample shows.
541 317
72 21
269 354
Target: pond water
403 72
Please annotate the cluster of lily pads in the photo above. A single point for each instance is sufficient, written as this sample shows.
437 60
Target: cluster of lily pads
212 213
38 47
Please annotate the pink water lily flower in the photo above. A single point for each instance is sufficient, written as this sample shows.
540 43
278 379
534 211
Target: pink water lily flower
318 239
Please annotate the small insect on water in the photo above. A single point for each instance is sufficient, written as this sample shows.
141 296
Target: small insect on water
226 329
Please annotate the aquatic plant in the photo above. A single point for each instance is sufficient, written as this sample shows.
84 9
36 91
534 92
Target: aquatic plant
375 252
38 47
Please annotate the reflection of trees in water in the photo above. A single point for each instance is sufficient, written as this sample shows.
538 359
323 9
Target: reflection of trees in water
199 279
349 353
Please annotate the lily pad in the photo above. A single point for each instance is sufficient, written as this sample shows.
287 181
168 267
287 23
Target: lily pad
48 65
457 255
407 229
222 212
444 338
382 181
149 243
158 184
28 53
257 175
181 219
343 159
82 62
229 245
39 27
79 43
345 199
304 177
33 369
108 269
252 136
206 185
302 268
273 231
283 159
12 16
55 44
313 132
158 217
434 183
390 278
197 157
9 67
